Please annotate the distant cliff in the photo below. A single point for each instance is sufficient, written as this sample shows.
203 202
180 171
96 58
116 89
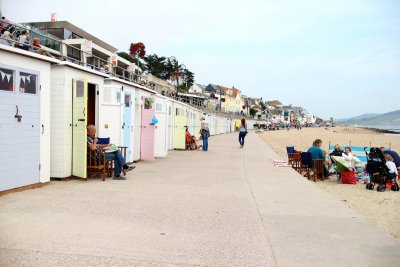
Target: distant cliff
385 119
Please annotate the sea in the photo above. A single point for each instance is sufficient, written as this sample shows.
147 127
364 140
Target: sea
393 128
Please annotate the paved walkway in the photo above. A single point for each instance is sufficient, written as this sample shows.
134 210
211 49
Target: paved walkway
226 207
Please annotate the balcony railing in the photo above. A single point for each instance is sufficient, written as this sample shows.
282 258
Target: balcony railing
54 47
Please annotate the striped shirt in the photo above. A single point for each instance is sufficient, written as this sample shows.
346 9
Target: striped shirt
95 155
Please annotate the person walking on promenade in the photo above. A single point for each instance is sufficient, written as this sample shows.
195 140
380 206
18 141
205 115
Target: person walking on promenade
242 132
205 133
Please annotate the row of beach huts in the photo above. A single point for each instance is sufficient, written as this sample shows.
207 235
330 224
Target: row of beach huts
46 104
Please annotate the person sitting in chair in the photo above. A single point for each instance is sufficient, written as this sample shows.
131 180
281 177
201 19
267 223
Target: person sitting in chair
395 156
348 156
190 140
317 153
392 167
119 160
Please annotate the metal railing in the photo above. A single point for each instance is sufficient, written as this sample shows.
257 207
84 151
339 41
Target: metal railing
55 47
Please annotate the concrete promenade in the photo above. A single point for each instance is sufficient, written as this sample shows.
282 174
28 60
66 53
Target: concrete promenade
226 207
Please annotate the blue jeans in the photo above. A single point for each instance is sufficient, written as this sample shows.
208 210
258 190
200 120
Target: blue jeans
241 138
119 161
205 141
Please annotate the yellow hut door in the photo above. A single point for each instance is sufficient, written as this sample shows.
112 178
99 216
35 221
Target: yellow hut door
179 129
79 120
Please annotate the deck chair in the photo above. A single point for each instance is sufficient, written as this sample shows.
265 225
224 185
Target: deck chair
97 163
294 158
110 163
318 168
357 151
103 141
306 163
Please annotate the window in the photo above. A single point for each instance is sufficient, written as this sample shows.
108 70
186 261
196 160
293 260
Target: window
67 34
107 95
118 97
27 83
7 78
159 107
127 100
73 52
80 89
58 32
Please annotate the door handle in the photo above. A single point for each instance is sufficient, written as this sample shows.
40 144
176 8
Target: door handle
17 116
84 109
81 119
123 125
42 128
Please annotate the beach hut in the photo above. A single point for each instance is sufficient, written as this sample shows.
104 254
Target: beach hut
170 123
191 120
199 115
144 130
117 113
180 121
161 128
24 118
75 103
228 124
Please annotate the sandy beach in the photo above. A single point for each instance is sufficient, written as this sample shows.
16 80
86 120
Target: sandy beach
383 209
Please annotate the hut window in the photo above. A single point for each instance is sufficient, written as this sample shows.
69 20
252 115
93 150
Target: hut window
127 100
107 95
177 112
80 89
27 83
118 97
7 78
169 110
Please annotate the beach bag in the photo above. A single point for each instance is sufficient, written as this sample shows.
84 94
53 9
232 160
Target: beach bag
348 177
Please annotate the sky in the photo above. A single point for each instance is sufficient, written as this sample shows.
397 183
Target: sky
335 58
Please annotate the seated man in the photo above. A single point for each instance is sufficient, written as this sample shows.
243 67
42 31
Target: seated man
119 160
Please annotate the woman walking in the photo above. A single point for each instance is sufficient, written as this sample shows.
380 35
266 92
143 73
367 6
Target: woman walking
205 133
242 132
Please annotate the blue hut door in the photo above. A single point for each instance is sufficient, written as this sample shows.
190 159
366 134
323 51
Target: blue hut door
127 125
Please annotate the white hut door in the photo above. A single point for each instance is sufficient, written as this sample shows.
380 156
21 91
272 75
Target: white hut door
19 129
79 120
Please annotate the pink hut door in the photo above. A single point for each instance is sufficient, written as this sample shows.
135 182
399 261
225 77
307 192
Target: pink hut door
147 129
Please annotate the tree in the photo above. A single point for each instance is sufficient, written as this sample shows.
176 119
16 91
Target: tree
127 57
253 112
156 66
188 79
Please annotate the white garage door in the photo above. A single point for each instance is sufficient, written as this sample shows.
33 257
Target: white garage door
19 128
